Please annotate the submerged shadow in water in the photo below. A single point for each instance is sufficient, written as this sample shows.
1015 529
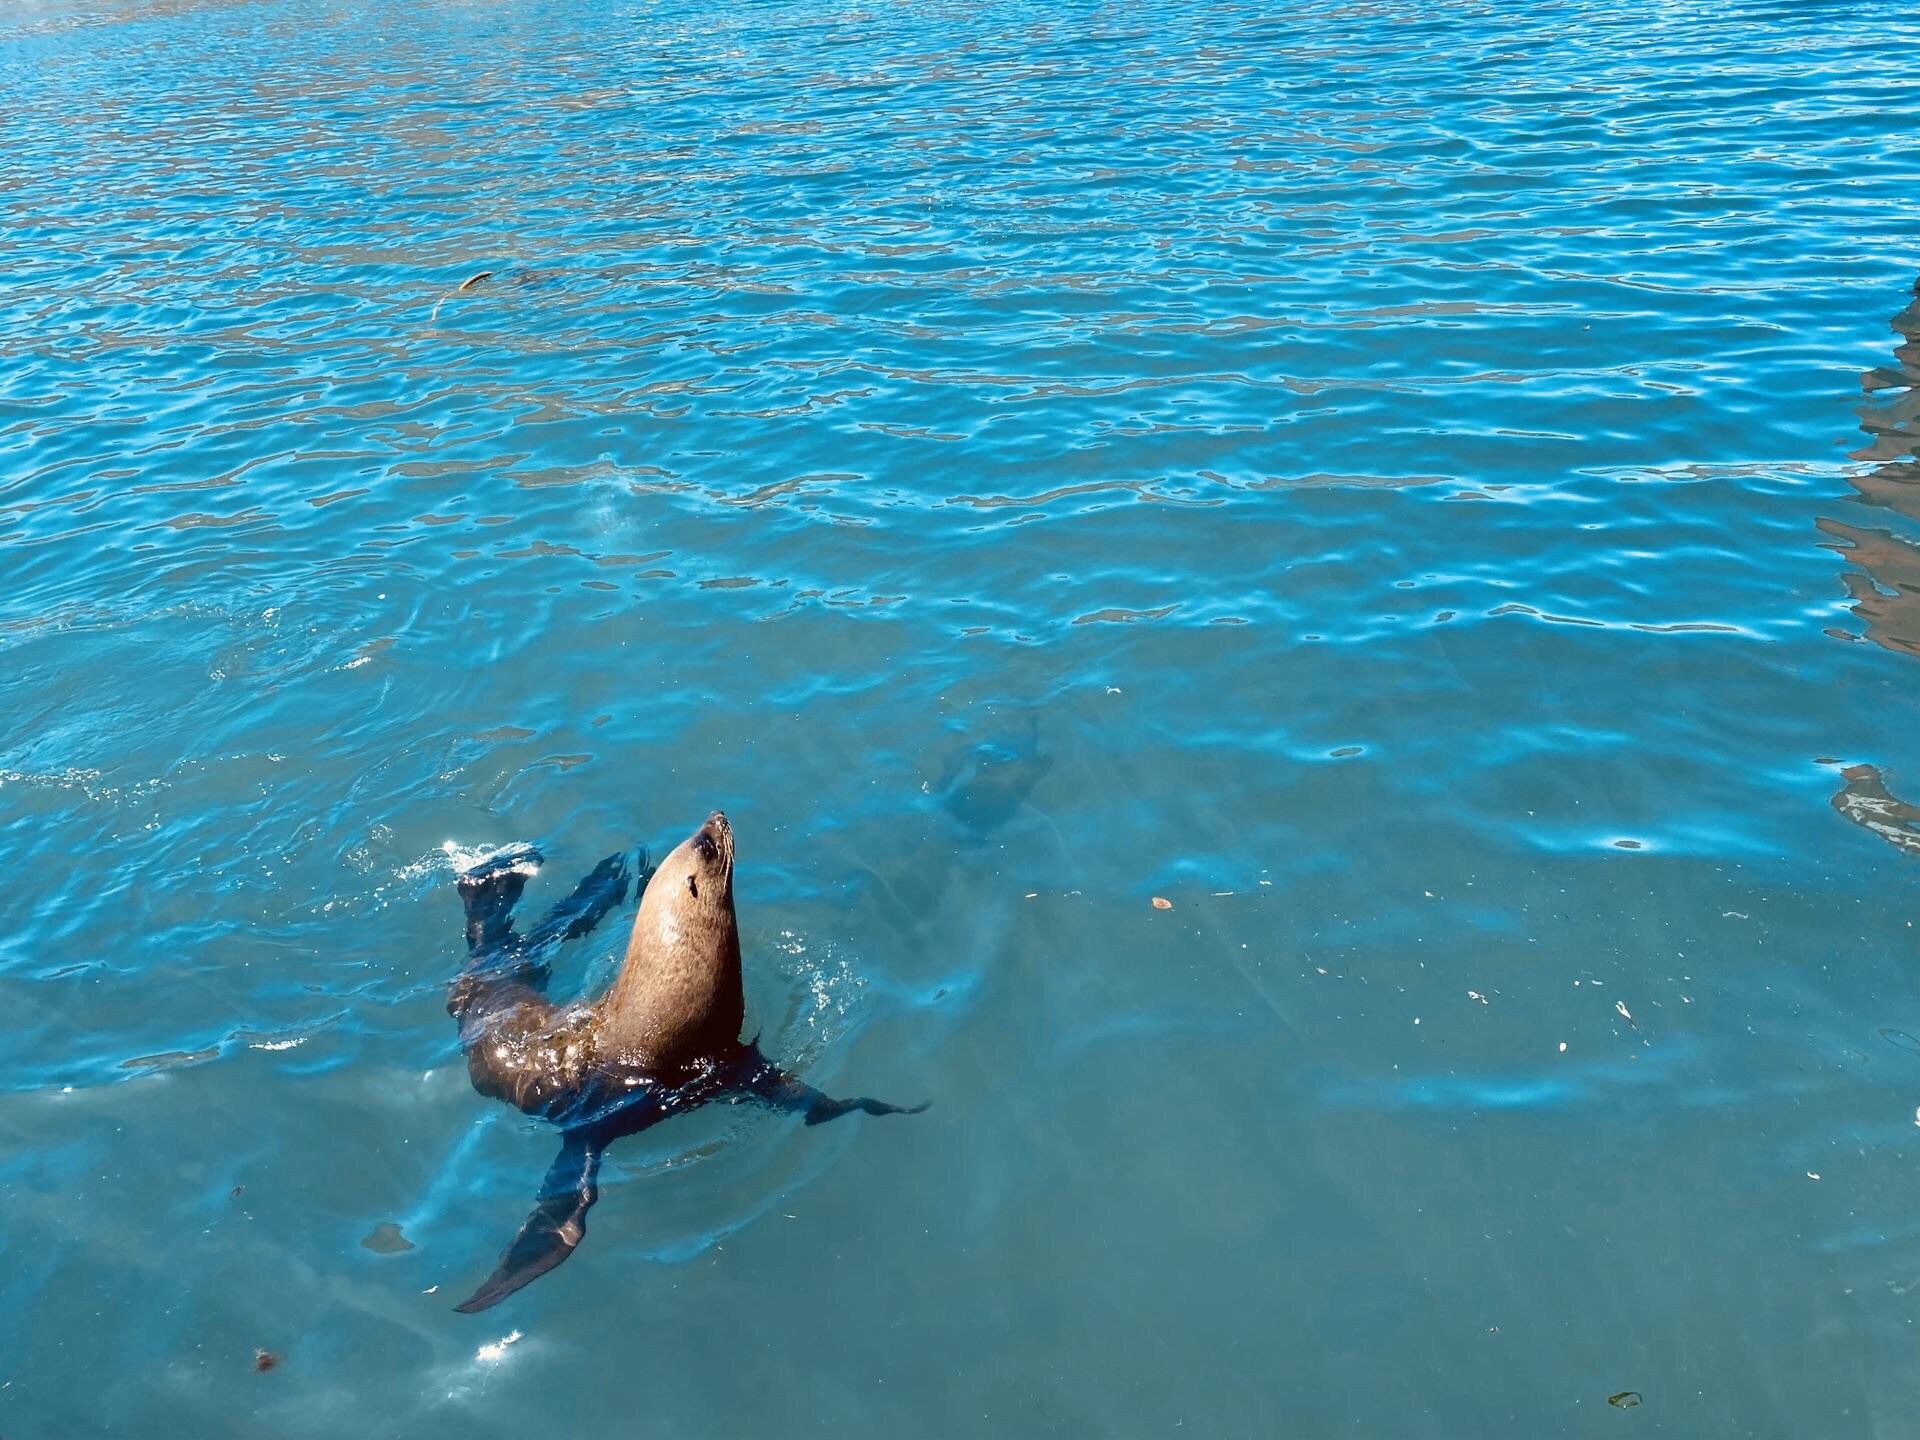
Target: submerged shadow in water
986 786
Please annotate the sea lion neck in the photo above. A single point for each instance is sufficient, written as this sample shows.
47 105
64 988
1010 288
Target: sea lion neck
678 1000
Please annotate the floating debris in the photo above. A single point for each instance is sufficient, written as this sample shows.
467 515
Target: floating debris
1161 903
464 286
265 1360
1900 1039
386 1239
234 1194
1625 1400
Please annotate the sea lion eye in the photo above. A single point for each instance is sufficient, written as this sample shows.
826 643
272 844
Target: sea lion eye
693 889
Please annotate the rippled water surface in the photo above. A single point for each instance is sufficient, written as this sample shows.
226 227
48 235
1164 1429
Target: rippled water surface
1430 491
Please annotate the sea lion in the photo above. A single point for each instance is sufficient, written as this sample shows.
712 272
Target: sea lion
665 1037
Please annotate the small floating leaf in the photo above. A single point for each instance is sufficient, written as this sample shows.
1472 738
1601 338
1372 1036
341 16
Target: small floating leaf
1625 1400
1162 904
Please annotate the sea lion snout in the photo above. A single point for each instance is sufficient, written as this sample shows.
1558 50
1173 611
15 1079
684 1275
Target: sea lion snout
714 840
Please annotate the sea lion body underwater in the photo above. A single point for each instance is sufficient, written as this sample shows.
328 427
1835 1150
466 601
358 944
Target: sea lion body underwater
664 1038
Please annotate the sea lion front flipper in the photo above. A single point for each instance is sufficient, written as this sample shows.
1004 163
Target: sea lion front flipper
777 1090
551 1233
490 890
589 903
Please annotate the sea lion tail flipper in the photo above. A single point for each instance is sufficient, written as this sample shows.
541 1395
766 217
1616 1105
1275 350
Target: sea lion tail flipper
589 903
556 1226
777 1090
490 890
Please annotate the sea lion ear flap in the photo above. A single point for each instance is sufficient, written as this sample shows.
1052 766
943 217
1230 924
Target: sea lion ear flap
555 1228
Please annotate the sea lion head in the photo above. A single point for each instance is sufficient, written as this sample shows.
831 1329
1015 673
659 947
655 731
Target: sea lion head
678 996
698 876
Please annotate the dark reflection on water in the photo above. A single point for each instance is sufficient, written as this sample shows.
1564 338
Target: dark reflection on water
1886 586
1864 799
1885 589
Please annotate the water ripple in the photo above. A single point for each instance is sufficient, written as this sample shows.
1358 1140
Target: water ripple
1427 492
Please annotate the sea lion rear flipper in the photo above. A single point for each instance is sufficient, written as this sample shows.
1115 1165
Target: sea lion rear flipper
589 903
777 1090
490 890
555 1227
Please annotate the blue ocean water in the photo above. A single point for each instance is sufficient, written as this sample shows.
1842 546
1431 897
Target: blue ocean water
1431 492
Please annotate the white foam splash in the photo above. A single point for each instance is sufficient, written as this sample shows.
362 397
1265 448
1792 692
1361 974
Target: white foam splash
464 858
494 1353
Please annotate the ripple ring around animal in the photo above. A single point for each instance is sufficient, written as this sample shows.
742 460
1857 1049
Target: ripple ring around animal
664 1038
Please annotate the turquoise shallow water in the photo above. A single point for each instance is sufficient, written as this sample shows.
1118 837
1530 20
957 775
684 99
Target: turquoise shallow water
1431 492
